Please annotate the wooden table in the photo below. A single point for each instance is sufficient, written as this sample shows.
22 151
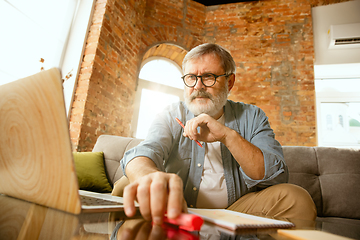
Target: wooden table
23 220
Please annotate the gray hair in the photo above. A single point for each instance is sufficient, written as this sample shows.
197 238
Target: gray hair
226 59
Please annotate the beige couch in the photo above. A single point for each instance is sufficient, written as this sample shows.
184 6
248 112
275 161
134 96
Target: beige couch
330 175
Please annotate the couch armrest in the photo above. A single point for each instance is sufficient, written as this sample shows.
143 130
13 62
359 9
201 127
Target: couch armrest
114 148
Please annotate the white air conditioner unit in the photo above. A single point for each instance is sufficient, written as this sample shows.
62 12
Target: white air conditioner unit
344 36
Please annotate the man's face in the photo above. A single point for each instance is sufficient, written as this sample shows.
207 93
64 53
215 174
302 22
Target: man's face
201 99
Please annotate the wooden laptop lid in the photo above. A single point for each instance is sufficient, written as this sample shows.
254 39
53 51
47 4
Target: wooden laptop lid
35 150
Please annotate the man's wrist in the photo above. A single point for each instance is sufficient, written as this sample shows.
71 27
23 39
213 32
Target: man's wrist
229 137
139 167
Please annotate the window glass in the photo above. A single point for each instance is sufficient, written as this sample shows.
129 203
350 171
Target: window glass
338 105
163 72
152 102
341 123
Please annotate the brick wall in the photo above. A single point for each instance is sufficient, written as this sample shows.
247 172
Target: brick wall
105 92
272 44
121 33
271 41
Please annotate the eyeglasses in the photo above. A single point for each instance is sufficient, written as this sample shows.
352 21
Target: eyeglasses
208 79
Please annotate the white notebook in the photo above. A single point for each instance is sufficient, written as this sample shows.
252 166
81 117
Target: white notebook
236 220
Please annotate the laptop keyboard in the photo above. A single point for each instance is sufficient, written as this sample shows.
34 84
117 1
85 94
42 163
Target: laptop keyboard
90 201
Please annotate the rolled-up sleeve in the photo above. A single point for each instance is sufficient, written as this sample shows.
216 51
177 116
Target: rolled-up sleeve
260 134
142 151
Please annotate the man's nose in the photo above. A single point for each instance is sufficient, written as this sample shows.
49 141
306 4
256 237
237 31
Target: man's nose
199 84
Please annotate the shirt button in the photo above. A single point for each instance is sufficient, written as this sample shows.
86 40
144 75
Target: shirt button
194 188
199 165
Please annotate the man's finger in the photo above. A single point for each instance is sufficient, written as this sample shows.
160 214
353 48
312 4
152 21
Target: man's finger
176 198
144 196
158 192
129 199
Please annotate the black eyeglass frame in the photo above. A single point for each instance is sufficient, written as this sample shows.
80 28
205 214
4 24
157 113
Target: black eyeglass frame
201 78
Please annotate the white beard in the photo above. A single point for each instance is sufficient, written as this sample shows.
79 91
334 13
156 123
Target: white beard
212 108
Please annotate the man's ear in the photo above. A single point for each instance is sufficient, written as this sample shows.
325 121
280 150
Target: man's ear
231 81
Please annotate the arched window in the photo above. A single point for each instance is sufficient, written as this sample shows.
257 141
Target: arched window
159 85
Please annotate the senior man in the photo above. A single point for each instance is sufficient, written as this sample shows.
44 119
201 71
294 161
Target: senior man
239 165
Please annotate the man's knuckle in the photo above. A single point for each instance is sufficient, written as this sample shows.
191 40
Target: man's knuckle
158 186
176 178
142 189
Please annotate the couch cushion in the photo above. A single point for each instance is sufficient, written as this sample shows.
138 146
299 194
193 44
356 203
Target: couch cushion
90 171
304 171
339 179
114 148
330 175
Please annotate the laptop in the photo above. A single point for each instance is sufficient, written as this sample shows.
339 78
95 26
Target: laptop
36 161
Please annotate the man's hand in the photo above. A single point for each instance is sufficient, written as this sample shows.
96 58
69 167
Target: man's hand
210 129
156 193
249 156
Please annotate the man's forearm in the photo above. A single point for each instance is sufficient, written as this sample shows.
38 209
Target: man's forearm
246 154
139 167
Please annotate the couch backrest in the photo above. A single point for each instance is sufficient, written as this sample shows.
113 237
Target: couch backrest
114 148
330 175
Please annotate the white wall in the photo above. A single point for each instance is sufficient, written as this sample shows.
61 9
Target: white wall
31 30
53 30
334 14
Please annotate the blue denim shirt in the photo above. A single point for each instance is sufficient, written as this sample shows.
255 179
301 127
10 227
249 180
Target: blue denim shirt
173 153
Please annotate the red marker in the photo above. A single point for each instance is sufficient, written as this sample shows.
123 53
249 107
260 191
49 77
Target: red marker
182 125
186 221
